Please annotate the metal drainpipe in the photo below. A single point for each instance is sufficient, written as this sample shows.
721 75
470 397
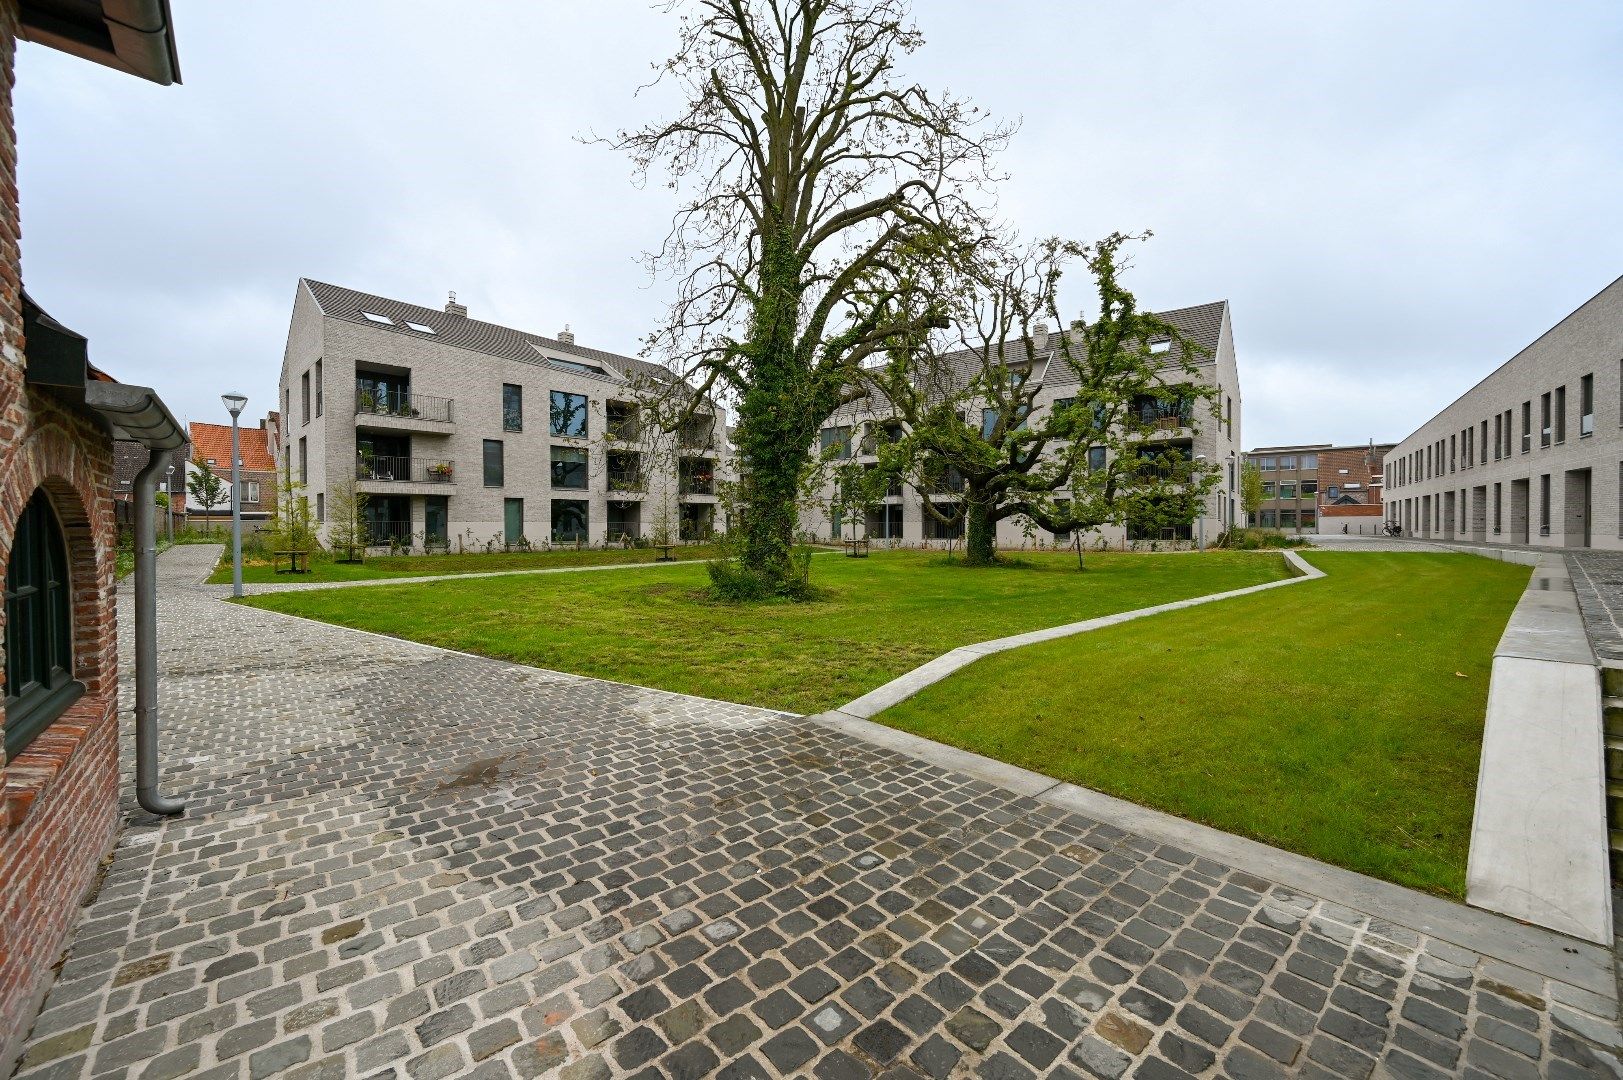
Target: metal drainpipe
146 641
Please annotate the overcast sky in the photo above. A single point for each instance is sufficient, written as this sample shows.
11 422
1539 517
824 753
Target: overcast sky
1394 197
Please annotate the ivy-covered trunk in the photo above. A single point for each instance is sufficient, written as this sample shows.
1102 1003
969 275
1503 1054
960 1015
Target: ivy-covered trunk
980 535
777 422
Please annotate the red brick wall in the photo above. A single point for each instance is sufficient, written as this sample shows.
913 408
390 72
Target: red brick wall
1360 465
59 797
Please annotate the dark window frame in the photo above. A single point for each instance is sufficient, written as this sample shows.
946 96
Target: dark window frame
512 407
40 683
561 415
562 470
499 461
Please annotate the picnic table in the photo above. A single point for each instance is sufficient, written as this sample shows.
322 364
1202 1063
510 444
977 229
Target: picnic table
298 562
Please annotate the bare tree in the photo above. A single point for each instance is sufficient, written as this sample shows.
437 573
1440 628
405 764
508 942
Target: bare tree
968 401
818 187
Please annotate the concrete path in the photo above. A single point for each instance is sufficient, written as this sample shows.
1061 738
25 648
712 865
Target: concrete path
408 862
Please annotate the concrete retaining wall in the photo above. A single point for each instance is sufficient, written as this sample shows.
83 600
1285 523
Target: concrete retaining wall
1538 837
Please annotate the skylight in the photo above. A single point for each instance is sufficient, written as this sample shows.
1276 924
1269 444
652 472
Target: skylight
419 327
1159 347
570 365
384 319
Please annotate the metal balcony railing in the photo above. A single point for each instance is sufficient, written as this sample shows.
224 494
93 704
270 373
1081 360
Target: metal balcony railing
698 484
371 401
388 533
627 480
408 470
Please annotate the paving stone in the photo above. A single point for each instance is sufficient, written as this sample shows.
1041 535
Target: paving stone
586 879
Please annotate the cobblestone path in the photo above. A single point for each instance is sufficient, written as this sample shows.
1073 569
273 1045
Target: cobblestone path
400 861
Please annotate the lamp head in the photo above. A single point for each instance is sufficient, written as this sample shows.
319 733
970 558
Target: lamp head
234 404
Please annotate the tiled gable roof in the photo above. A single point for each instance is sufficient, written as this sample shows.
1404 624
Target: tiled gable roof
214 441
476 335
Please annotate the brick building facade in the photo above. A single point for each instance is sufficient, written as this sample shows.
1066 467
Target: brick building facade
59 781
1321 487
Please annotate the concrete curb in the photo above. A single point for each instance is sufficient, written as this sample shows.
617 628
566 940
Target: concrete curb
1539 831
905 686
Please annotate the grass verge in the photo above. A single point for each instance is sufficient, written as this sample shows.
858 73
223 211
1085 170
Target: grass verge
1339 718
877 618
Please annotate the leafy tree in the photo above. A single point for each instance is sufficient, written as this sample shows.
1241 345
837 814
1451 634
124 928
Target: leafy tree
293 528
347 528
968 399
1250 491
818 187
205 487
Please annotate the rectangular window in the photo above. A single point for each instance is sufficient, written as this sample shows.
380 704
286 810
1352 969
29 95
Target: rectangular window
1453 454
304 398
1268 519
1266 464
568 414
1310 518
512 520
1586 406
512 407
1310 461
321 507
951 529
250 491
1560 414
1287 519
1498 506
568 467
1269 489
570 518
1287 489
1498 435
836 442
493 463
1527 426
1310 487
318 387
1544 431
1287 463
304 462
1096 458
1544 505
1484 442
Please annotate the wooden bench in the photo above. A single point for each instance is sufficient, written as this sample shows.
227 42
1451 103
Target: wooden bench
298 562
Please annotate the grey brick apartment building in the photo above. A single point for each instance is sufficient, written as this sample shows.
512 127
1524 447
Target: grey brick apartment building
467 434
1532 454
903 518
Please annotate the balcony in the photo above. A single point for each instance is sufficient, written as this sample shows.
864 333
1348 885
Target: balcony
696 479
627 481
402 410
389 474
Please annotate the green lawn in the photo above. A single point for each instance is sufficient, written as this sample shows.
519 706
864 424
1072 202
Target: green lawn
1339 718
324 568
882 616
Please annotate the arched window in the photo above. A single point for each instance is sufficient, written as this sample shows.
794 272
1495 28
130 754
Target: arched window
39 626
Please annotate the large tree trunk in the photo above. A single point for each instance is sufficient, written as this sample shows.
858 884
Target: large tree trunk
980 535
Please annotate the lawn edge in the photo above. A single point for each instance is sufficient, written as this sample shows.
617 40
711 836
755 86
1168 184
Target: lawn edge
904 686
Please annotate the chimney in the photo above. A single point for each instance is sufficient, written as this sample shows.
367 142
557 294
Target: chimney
454 308
1039 335
566 335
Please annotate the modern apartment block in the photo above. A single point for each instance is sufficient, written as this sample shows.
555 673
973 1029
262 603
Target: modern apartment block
1320 487
467 434
1532 454
903 518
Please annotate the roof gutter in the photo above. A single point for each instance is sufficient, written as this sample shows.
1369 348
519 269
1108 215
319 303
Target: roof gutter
132 36
137 414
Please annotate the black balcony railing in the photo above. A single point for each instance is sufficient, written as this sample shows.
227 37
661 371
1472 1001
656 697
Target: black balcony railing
388 533
373 401
408 470
697 484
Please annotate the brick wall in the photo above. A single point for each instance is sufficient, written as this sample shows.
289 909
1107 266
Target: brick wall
59 797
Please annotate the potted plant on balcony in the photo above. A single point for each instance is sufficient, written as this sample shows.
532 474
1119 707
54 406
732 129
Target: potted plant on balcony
441 471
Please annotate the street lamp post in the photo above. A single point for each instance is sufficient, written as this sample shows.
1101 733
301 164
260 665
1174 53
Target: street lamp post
1202 515
234 404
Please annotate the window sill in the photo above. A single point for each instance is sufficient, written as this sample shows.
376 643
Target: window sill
31 773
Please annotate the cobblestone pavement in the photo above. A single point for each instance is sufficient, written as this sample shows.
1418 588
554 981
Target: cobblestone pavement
1598 578
400 861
